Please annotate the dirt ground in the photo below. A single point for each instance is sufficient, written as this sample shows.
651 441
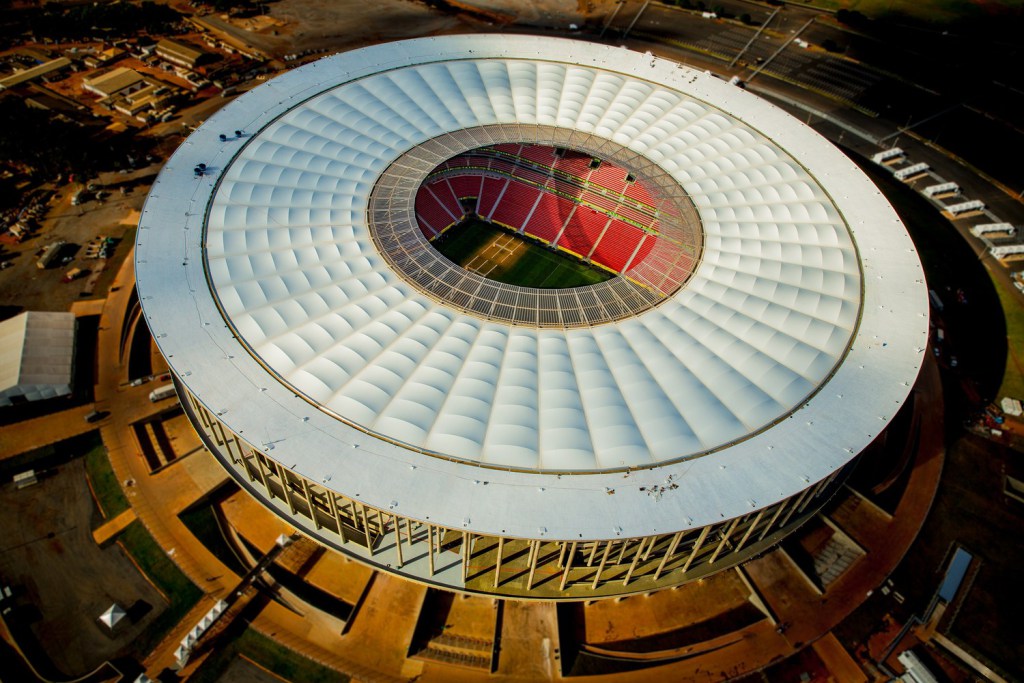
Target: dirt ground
336 26
62 580
313 26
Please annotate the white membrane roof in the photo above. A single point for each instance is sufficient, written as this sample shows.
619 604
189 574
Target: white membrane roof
796 339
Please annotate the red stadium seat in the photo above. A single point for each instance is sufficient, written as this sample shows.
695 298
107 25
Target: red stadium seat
591 212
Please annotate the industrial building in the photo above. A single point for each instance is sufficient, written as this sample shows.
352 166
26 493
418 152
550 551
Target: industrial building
37 356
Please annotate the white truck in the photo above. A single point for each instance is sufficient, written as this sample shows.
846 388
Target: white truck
49 254
160 393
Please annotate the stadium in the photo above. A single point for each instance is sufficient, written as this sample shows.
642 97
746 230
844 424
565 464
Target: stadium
528 317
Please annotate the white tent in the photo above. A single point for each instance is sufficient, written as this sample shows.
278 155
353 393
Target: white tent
37 352
114 614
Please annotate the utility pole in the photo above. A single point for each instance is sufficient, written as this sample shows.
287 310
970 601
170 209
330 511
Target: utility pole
633 23
751 41
775 54
618 6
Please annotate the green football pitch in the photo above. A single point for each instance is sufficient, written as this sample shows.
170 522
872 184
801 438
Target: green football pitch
503 256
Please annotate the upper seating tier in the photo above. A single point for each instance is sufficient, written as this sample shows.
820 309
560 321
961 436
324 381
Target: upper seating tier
561 199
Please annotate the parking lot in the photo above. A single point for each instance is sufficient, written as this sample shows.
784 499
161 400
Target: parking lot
24 286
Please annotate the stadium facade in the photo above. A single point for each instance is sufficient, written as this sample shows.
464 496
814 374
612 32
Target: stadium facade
502 440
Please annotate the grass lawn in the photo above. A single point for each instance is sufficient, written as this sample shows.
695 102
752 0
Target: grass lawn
1013 378
272 656
108 492
165 575
537 267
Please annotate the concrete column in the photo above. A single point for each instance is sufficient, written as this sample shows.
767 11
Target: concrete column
654 541
725 539
750 530
361 510
398 540
826 482
636 558
230 441
775 515
379 516
497 564
534 552
282 474
668 554
467 541
218 433
600 567
696 546
795 507
622 551
309 504
204 416
247 466
817 489
259 469
568 566
430 547
333 502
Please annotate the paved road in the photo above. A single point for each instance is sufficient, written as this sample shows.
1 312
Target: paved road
43 431
113 527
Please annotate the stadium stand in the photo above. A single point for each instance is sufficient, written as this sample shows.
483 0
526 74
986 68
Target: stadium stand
446 198
594 210
515 205
541 155
639 193
492 190
610 177
548 217
432 217
466 186
617 245
577 237
575 165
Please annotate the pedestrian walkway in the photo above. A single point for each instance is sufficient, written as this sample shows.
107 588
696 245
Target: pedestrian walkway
163 656
113 527
42 431
838 661
86 308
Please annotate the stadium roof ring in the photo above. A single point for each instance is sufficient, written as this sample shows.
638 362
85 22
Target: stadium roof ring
393 225
794 341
